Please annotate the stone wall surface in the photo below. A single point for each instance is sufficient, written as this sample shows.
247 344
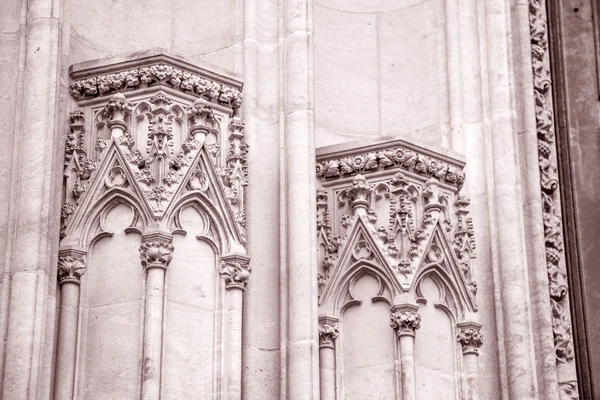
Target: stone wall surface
167 307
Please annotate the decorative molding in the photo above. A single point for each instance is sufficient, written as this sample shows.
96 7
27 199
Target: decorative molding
158 73
410 159
406 322
551 202
235 270
470 337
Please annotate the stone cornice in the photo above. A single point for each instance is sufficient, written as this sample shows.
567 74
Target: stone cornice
102 77
346 160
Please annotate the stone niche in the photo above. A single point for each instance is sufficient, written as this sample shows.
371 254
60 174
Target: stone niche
152 262
397 312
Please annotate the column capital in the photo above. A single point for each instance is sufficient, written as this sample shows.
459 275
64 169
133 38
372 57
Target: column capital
71 265
405 319
235 270
156 250
470 336
328 331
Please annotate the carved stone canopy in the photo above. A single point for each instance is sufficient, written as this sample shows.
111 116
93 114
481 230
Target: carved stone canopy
395 210
157 133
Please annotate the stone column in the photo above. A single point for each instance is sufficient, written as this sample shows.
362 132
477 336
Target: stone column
507 210
406 320
328 332
235 270
470 337
301 251
71 266
156 253
31 229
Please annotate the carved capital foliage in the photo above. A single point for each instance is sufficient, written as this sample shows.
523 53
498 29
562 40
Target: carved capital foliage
156 251
406 322
470 337
235 270
71 266
328 332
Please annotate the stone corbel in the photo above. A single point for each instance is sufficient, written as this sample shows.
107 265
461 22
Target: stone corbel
71 267
156 253
405 320
328 333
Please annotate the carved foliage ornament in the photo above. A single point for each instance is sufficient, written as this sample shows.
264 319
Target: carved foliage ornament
402 157
405 322
558 288
162 73
70 269
156 254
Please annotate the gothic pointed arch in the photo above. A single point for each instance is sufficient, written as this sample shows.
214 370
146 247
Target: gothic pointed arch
359 253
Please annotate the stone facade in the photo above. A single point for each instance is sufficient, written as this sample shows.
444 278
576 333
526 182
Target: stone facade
288 199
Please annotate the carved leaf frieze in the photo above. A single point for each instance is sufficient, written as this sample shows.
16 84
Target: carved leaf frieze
404 158
159 73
